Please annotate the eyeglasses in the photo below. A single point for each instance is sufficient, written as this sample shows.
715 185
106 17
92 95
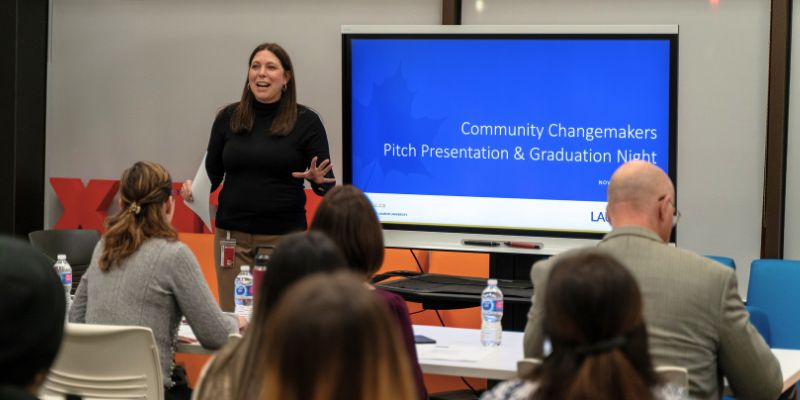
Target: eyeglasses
676 215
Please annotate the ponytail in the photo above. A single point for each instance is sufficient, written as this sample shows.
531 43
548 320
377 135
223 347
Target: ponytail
615 368
608 375
144 188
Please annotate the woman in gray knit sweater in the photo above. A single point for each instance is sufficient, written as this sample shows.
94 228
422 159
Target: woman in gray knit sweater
140 274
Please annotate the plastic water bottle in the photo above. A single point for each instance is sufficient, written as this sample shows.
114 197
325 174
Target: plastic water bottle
243 293
64 272
491 314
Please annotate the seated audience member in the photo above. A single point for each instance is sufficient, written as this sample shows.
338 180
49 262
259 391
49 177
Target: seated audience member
296 257
593 320
694 315
32 308
140 274
236 372
330 337
347 216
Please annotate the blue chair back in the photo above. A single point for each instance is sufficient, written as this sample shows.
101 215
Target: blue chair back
775 289
726 261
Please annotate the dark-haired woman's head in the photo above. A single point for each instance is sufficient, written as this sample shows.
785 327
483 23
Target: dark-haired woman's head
270 79
347 216
331 337
295 257
593 319
146 209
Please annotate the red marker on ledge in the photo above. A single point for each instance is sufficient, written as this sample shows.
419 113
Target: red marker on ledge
524 245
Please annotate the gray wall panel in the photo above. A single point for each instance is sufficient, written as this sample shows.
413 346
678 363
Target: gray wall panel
133 79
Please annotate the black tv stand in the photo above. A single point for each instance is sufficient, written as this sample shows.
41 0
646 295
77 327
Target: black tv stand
516 267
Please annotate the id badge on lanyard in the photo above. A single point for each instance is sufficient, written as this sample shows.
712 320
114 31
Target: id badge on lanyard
227 251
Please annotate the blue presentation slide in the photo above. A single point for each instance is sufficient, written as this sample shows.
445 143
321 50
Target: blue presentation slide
506 118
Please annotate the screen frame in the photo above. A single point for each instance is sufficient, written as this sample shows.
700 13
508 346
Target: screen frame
514 32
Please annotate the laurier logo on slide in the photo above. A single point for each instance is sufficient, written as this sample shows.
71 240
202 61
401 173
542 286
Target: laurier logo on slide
600 216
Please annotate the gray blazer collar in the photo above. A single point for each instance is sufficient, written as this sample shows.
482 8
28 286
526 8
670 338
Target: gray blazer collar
632 231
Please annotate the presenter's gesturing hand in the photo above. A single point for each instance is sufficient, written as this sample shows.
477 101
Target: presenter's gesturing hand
315 173
186 191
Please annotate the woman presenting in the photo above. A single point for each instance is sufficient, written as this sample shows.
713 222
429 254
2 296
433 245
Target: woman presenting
263 147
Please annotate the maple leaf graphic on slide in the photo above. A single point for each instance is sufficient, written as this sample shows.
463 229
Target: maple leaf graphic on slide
389 118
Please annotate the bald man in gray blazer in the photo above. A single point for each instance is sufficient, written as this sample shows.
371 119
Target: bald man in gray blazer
695 318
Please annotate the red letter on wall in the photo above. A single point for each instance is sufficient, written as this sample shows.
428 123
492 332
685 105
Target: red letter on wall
84 207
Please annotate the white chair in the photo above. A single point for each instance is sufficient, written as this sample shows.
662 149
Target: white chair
107 361
677 376
526 366
234 338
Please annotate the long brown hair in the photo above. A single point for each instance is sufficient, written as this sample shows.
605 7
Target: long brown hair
347 216
593 318
237 370
332 338
243 116
144 188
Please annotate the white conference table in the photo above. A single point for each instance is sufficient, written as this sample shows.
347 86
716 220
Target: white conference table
458 352
790 366
456 348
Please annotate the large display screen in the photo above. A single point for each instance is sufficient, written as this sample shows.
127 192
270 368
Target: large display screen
509 133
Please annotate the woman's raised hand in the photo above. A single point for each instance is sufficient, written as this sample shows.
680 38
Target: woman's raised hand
316 173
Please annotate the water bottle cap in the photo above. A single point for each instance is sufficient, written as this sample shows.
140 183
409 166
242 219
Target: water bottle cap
245 268
62 256
492 282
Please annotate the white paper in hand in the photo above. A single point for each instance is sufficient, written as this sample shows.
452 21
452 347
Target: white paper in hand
201 192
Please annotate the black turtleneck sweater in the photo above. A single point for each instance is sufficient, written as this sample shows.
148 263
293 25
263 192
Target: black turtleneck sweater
260 196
